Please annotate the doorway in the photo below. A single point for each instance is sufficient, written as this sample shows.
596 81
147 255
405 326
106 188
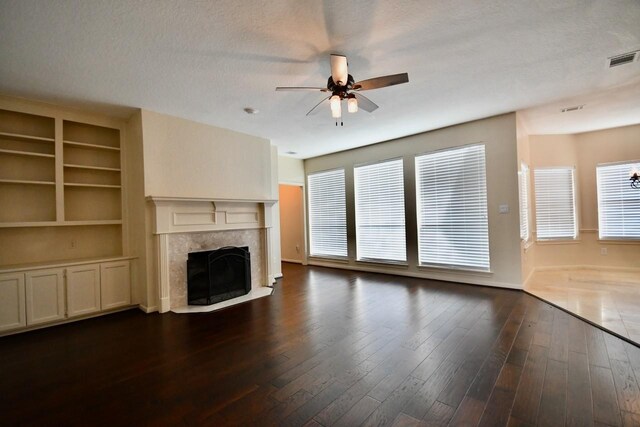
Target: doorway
292 241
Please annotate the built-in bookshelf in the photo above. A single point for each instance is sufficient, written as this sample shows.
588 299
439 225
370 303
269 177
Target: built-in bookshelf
27 168
60 179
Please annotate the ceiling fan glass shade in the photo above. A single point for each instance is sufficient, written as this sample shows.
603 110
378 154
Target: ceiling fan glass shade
336 107
352 104
339 71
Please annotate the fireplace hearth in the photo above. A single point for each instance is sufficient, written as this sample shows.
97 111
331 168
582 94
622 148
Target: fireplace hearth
218 275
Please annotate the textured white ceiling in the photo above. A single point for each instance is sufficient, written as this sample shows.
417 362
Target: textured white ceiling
207 60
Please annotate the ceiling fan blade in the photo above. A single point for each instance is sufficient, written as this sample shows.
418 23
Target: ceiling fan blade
365 103
301 88
339 71
384 81
316 109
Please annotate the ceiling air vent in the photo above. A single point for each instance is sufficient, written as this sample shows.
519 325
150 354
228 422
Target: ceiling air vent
575 108
625 58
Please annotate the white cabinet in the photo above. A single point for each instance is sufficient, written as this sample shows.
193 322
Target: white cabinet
45 295
35 296
12 301
115 284
83 289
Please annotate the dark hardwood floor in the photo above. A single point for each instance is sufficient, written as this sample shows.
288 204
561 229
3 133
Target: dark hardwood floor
329 348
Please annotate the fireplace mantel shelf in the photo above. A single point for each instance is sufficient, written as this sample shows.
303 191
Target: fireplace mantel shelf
208 199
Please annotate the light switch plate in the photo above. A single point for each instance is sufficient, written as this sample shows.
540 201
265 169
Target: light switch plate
503 209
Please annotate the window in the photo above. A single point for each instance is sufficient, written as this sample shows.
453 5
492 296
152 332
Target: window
618 203
523 180
452 208
380 229
327 214
555 203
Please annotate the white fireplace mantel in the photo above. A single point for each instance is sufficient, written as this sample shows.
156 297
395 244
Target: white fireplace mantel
194 215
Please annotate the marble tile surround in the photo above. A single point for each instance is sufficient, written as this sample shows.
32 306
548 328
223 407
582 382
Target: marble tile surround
180 244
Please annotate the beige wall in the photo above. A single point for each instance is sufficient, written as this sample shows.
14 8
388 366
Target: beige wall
527 247
499 136
133 154
290 170
292 222
585 151
605 146
273 233
188 159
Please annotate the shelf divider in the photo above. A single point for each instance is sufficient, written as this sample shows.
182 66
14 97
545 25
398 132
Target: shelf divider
26 153
98 168
24 181
26 137
96 146
78 184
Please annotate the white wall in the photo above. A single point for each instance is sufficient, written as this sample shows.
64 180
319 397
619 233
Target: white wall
499 136
188 159
290 170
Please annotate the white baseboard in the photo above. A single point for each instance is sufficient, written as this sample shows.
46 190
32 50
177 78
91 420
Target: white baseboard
586 267
294 261
150 309
420 275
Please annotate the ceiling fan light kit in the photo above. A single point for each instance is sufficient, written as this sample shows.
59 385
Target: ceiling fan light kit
342 86
336 106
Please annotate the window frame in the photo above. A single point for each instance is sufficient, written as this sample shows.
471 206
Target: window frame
310 214
418 209
524 181
574 190
630 164
358 258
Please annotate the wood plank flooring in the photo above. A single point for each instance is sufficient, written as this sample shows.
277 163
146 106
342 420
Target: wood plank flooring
610 299
330 347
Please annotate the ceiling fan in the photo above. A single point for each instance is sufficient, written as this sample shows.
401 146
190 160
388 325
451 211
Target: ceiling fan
342 86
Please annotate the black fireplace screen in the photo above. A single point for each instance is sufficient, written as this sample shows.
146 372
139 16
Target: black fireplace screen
218 275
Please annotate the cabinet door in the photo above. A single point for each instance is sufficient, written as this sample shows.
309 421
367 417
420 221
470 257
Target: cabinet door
12 301
115 284
45 296
83 289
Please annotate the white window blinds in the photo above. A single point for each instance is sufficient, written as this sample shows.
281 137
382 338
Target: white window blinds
452 208
523 177
618 203
380 222
555 203
327 214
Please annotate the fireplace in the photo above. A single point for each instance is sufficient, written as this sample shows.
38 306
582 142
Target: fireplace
183 226
218 275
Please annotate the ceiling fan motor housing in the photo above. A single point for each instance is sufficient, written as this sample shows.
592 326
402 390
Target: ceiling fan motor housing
341 91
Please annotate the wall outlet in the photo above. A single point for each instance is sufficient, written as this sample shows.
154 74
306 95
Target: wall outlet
503 209
603 251
72 243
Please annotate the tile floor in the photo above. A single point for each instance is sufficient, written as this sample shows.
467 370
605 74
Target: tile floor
608 298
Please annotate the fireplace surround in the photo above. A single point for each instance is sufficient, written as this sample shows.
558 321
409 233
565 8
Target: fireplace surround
187 225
